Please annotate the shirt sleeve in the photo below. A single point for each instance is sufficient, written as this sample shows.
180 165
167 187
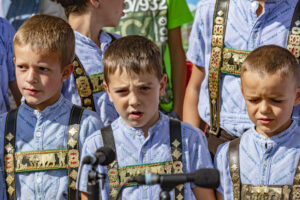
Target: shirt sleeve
7 37
221 163
178 13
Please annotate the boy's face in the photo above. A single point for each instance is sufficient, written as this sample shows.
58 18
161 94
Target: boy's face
39 76
112 10
136 97
270 100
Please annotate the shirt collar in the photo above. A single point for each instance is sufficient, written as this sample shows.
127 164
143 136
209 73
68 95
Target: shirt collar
138 131
277 139
48 111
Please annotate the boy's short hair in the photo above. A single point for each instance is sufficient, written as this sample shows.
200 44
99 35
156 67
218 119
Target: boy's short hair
272 59
48 34
76 6
132 53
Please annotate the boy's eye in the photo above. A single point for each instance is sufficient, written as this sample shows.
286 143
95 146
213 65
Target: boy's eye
44 69
253 100
120 91
145 88
20 67
276 101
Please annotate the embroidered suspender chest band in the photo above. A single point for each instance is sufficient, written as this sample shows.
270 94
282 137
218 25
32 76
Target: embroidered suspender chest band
259 192
19 162
118 175
216 56
9 150
294 34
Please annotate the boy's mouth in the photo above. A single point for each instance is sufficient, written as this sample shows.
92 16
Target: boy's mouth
31 91
136 114
265 121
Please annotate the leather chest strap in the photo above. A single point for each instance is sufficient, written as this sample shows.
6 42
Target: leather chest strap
234 166
9 150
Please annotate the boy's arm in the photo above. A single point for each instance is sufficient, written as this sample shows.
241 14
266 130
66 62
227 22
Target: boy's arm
204 193
15 92
190 106
178 63
220 196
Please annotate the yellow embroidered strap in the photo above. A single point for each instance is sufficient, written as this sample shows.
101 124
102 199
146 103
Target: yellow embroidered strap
294 35
84 85
217 45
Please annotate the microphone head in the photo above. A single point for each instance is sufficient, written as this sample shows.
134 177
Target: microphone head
89 159
108 153
207 177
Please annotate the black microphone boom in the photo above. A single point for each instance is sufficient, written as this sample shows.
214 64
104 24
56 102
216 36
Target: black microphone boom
206 177
103 156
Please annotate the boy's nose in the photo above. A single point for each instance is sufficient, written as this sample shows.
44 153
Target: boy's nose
31 76
133 99
264 107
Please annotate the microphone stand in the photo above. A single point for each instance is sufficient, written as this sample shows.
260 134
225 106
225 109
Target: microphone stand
93 183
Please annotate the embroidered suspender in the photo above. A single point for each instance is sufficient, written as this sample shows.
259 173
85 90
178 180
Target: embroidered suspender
117 176
87 85
224 60
216 57
234 165
41 160
294 34
9 150
244 191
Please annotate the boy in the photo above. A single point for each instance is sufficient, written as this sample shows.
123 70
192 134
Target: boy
85 86
264 162
161 22
42 140
7 69
223 34
142 138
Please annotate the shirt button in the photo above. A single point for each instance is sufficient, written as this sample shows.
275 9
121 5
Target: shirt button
254 35
38 134
39 180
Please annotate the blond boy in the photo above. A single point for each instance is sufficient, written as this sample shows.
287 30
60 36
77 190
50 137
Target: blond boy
41 141
263 163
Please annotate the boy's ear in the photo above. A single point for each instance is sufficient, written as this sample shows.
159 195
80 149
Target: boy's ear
163 82
67 71
14 60
297 99
107 90
95 3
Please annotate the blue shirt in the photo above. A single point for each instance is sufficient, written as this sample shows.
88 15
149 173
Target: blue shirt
90 56
244 31
263 161
134 149
46 130
7 67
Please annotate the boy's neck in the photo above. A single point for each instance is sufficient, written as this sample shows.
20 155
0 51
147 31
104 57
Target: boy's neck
86 25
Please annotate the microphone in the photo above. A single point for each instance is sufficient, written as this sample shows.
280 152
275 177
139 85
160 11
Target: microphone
205 177
103 156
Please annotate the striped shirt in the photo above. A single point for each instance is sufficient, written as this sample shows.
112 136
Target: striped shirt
263 161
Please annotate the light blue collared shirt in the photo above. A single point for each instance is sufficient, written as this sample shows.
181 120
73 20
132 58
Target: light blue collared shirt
90 56
263 161
244 31
134 149
38 131
7 67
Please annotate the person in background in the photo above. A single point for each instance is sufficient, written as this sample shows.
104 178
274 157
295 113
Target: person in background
85 86
7 69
